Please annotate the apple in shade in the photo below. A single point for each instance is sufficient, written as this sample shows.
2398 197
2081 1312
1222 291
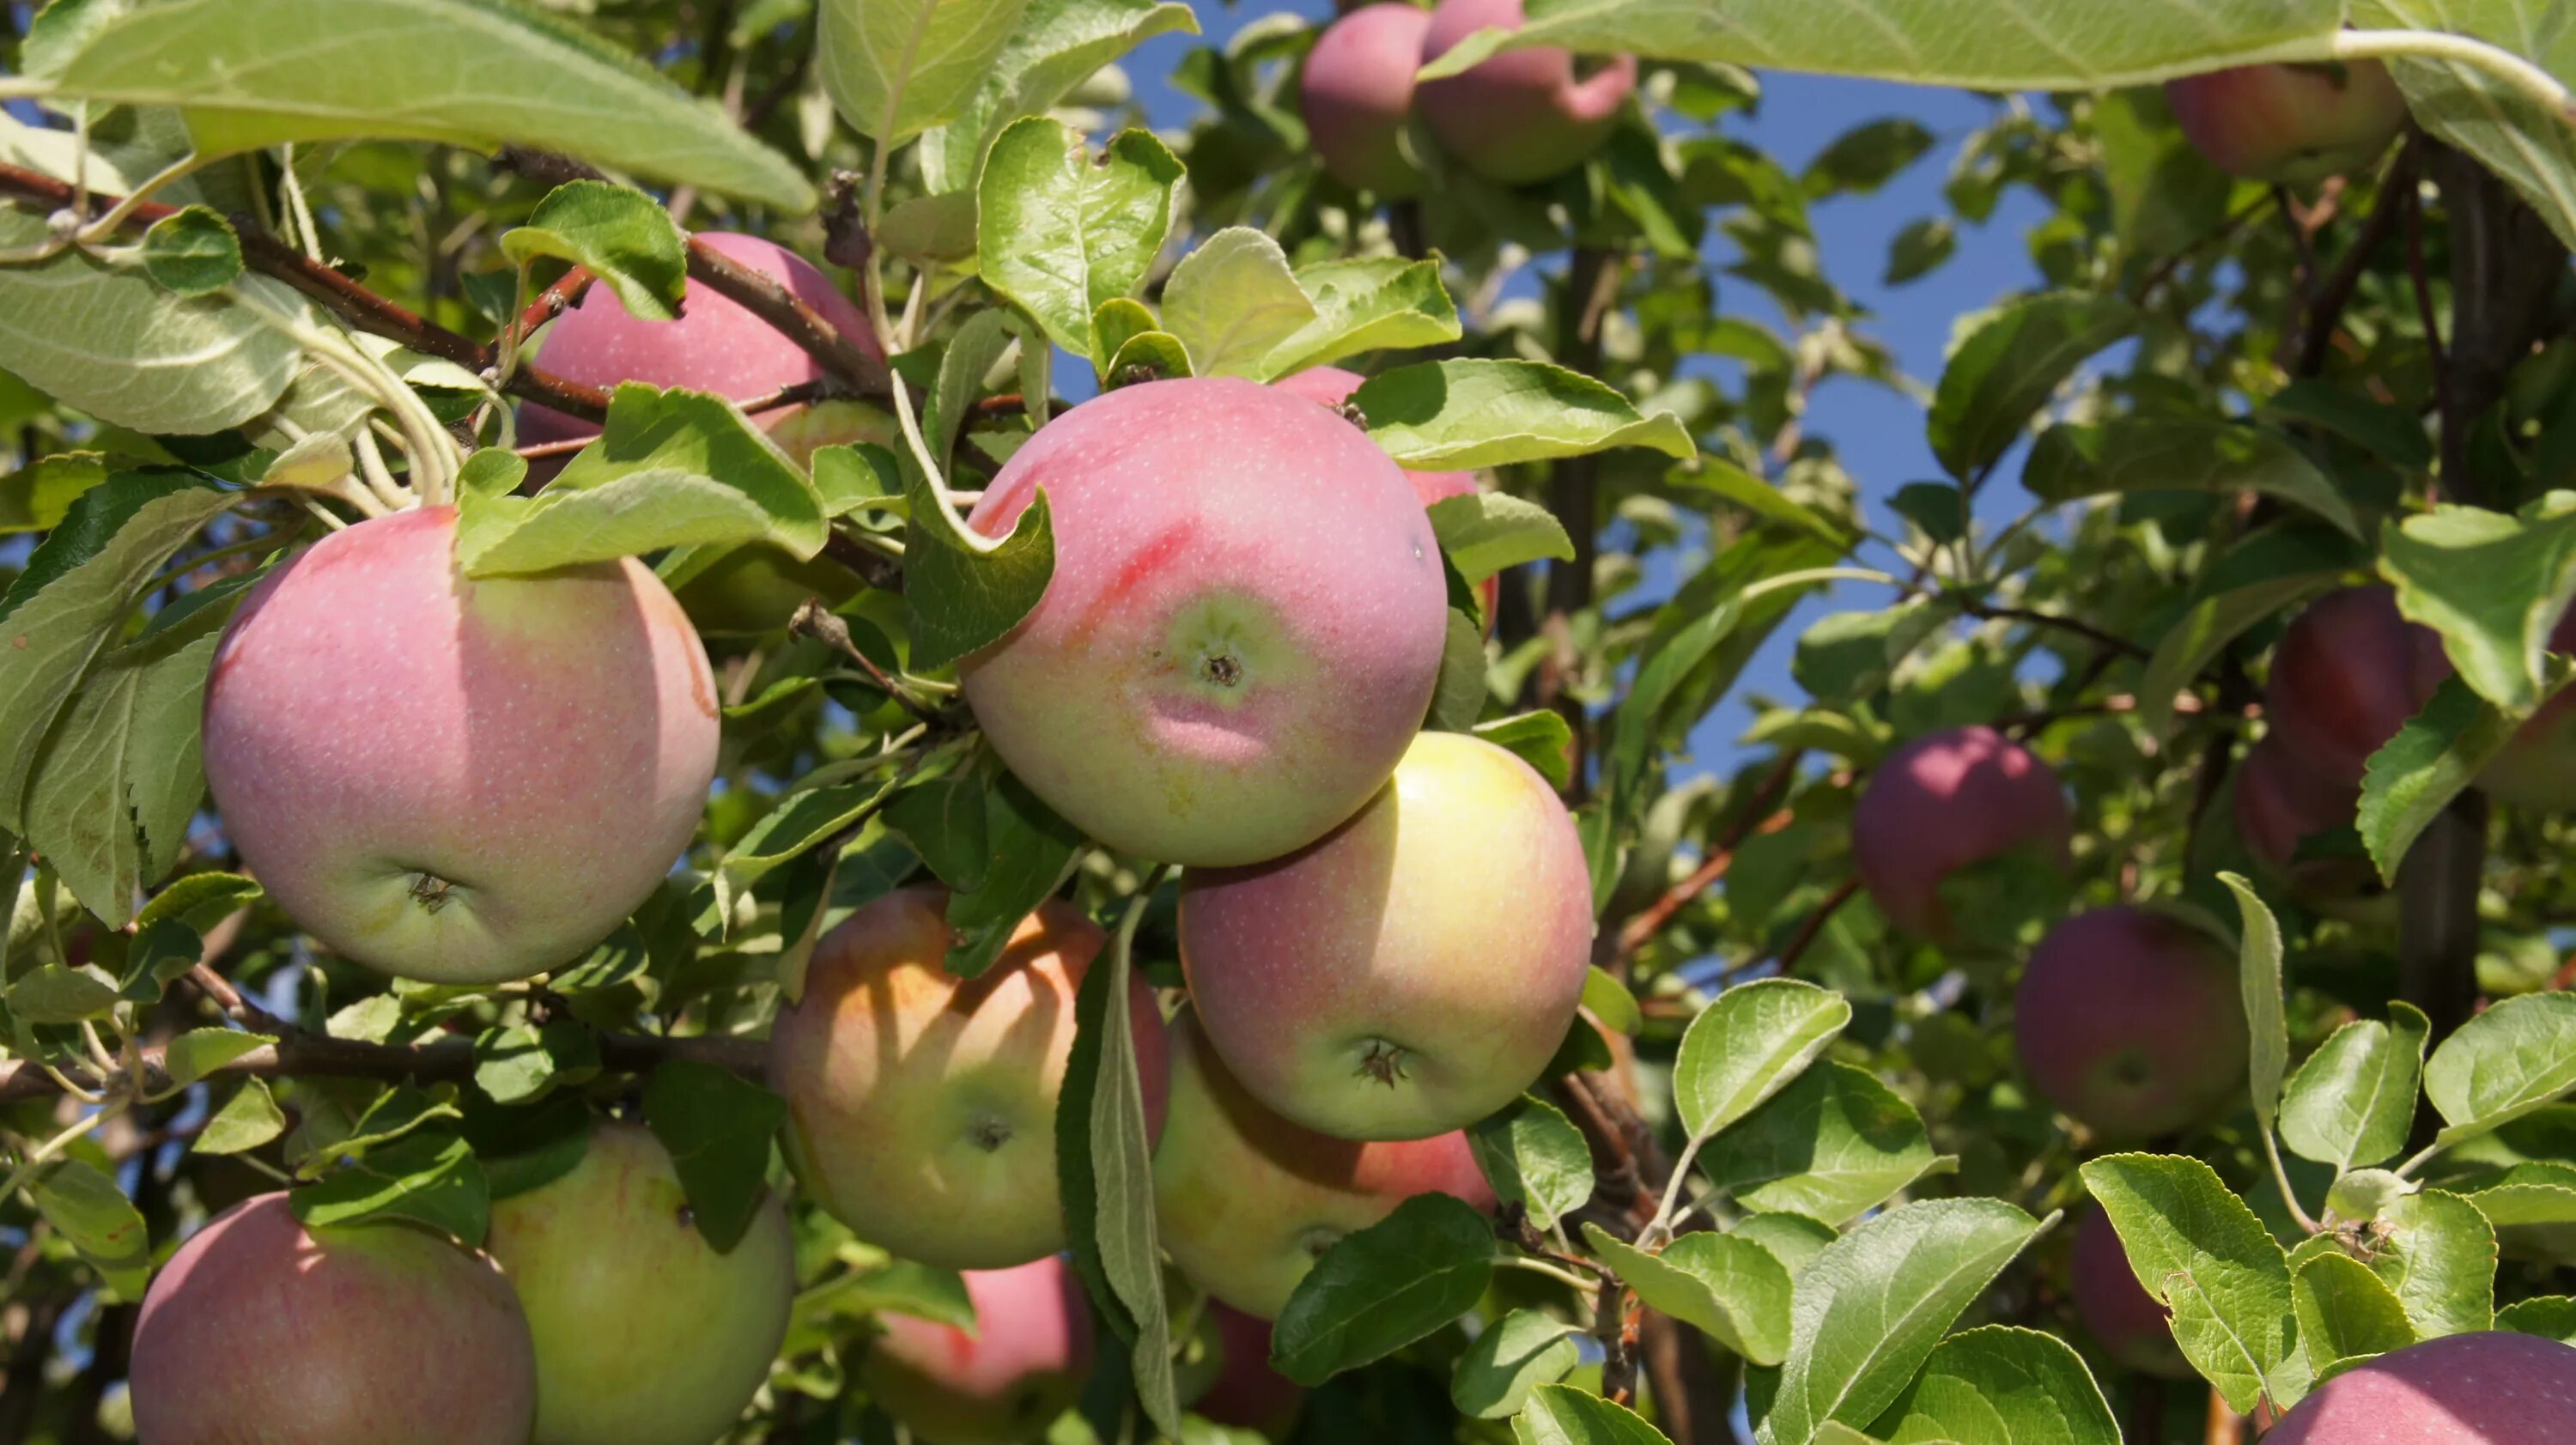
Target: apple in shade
2293 124
1023 1365
1247 1394
457 780
1248 1201
2279 806
1332 386
1356 91
2131 1022
1243 630
921 1105
1946 802
2127 1322
1416 968
1524 115
2489 1388
645 1335
259 1330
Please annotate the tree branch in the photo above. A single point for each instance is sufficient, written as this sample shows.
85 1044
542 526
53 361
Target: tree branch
2326 308
1651 919
764 296
2087 631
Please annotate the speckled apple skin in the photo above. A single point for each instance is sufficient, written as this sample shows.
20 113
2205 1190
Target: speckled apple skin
1243 630
543 744
2126 1321
2491 1388
2131 1022
2295 124
1944 802
1331 386
1356 91
1415 969
1248 1200
1022 1367
258 1333
645 1335
920 1105
1525 115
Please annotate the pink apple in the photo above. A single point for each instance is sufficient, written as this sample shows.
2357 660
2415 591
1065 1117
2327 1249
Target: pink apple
2128 1323
1248 1200
1356 91
1524 115
1415 969
459 781
1945 802
645 1335
1243 630
2346 675
2295 124
1023 1365
2132 1022
921 1106
259 1330
1331 386
2491 1388
1247 1394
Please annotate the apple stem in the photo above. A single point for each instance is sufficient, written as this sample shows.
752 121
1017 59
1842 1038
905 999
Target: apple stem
2536 84
1541 1267
2281 1177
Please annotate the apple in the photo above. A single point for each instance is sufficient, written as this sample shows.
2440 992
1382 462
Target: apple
2131 1022
2129 1324
458 781
2346 675
2489 1388
1356 90
921 1105
2279 805
2290 124
259 1329
1331 386
1524 115
1021 1368
1248 1201
645 1335
1945 802
1247 1394
1416 968
1243 630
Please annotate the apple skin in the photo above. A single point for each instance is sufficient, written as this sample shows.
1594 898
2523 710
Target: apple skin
1247 1394
1243 630
2131 1022
2346 675
1948 801
260 1333
2491 1388
1416 968
2127 1322
2279 805
2291 124
1247 1201
457 781
644 1334
1525 115
1001 1385
1331 386
1356 90
920 1105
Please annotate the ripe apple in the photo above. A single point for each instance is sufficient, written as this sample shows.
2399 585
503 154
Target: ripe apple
1525 115
1022 1367
1331 386
920 1105
1243 630
644 1334
1944 802
2131 1022
2490 1388
460 781
258 1329
2128 1323
1356 91
1248 1201
2280 804
1416 968
2291 124
1247 1394
2346 675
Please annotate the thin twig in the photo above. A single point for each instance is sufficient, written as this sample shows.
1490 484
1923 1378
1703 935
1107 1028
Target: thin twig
2085 630
2325 310
1651 919
764 296
1809 931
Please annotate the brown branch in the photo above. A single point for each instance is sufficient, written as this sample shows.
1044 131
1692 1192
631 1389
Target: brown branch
2085 630
2326 308
1758 813
764 296
816 621
1814 927
552 302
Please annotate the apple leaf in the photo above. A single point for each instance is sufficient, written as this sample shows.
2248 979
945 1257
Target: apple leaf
192 252
2437 1253
2352 1102
2494 587
1534 1157
1057 45
1541 739
2466 107
1831 1145
1381 1288
2507 1061
718 1127
2181 454
1729 1288
2435 757
895 68
2259 983
1370 303
429 1176
1748 1045
619 234
1232 301
2552 1317
1458 415
247 1120
1568 1415
2002 1386
99 1222
2200 1250
1060 234
199 1052
2006 365
2346 1314
1482 533
1516 1354
1028 850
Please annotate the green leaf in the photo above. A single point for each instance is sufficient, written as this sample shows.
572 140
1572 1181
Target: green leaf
1610 1001
253 73
1923 247
2470 108
1793 1239
963 591
1715 474
2197 1247
1232 302
1866 157
2392 433
1997 1385
1844 657
1541 739
2437 1253
97 1220
2493 586
428 1177
1728 1287
801 822
1873 1305
2345 1313
1748 1045
620 235
1459 415
718 1127
1147 356
2502 1064
520 1064
1372 303
2431 760
1383 1287
2180 454
55 994
192 252
977 348
34 497
1514 1355
895 68
2010 362
200 900
2258 971
1061 234
1484 532
199 1052
2204 632
2548 1316
247 1120
2352 1103
928 230
1534 1157
1831 1145
1057 45
2536 1193
1566 1415
1028 852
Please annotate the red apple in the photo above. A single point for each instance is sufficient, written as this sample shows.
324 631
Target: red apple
1244 627
259 1330
2293 124
1945 802
1524 115
1001 1385
921 1105
2128 1323
2131 1022
1356 90
2346 675
1331 386
2491 1388
460 781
